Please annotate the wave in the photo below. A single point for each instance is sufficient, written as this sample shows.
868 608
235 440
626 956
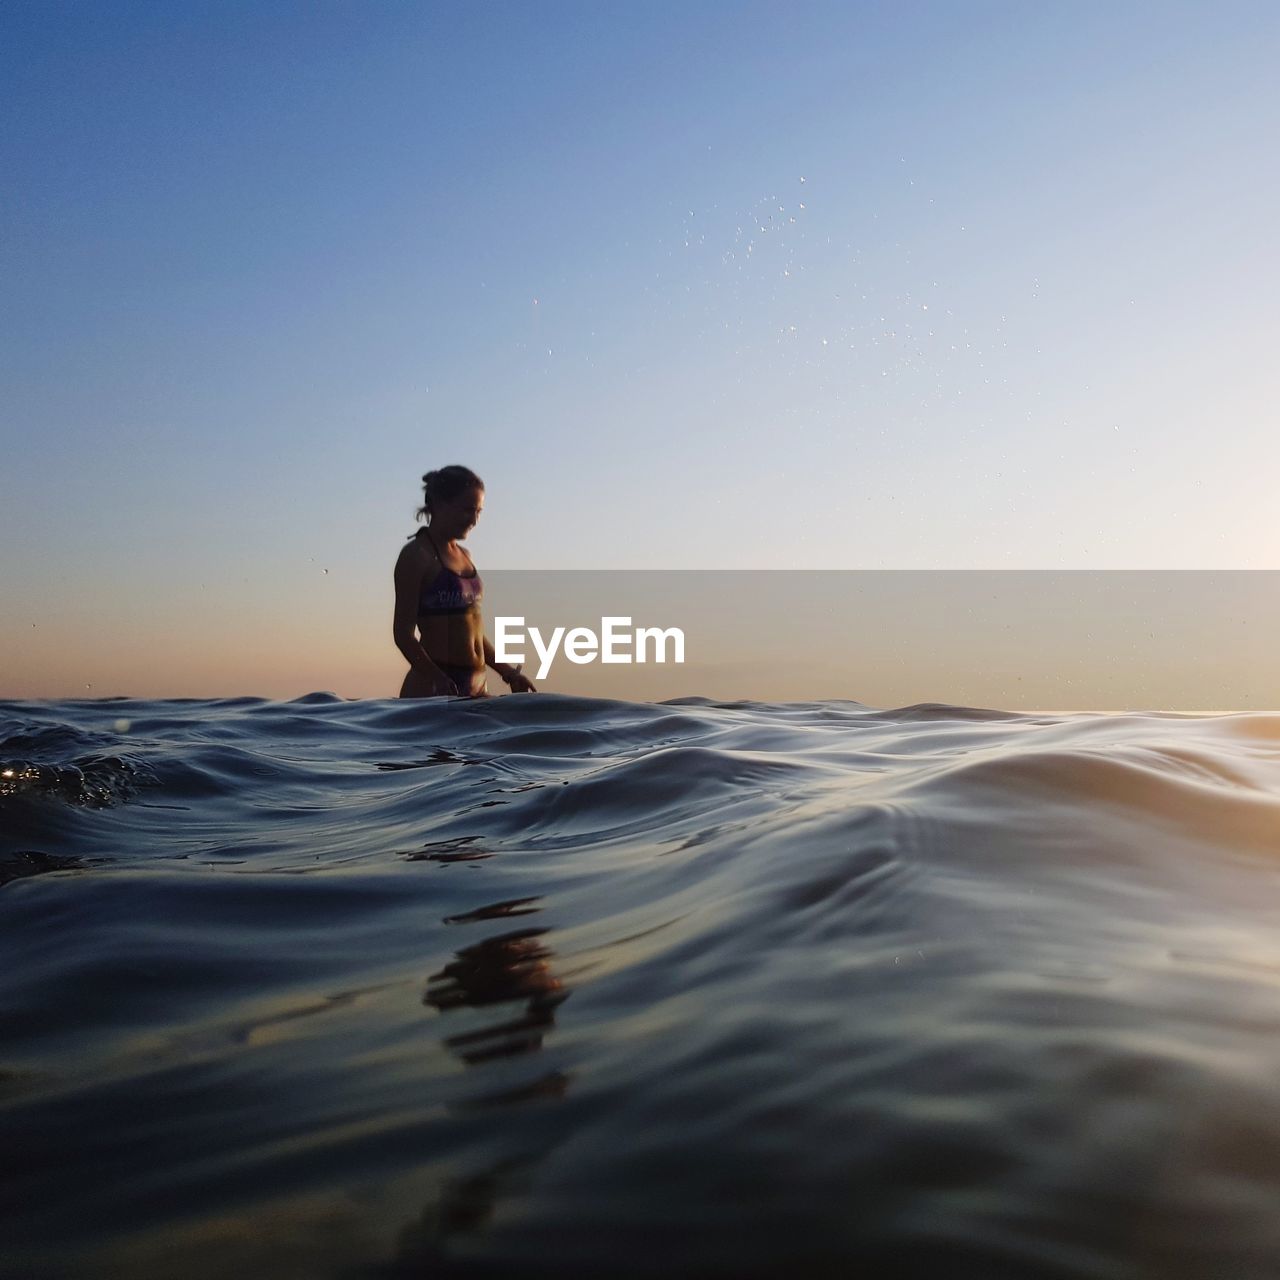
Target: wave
574 986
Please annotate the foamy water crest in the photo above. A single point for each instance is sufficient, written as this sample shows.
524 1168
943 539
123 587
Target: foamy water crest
556 985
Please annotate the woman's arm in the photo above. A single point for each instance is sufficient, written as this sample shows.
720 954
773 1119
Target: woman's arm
512 676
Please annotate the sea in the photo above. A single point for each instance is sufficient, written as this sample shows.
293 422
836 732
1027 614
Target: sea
548 985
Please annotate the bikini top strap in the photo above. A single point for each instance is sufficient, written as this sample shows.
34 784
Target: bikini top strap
440 558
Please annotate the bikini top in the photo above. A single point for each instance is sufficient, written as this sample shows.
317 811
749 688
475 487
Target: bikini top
450 592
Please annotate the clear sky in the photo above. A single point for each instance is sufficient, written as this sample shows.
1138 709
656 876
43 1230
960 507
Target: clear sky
961 285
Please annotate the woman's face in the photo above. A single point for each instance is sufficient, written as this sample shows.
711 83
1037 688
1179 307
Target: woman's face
461 513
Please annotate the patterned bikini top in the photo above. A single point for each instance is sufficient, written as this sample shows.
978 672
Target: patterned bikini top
450 592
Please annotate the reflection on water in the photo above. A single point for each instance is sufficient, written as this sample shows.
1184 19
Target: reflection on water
509 969
514 967
496 911
458 849
464 1207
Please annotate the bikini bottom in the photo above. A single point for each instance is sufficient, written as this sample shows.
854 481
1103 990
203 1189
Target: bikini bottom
470 680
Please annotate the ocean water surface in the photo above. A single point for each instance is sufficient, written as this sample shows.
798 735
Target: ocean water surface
552 985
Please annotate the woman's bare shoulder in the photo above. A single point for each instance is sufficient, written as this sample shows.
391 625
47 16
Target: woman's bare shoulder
416 554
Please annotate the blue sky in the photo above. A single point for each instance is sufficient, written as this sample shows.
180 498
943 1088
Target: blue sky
844 286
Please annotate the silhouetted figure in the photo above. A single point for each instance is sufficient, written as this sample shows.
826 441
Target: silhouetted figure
438 592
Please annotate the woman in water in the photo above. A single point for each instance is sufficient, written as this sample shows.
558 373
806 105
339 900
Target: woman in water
439 591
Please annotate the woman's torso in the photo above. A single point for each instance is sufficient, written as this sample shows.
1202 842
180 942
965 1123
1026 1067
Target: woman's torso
450 622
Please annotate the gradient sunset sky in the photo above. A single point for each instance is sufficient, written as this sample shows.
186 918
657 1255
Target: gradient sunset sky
842 286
